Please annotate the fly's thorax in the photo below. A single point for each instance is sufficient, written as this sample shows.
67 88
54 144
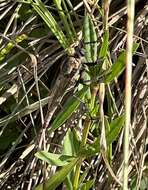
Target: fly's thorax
71 66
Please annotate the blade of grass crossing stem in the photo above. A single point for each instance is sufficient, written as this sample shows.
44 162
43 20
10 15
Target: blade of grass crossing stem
85 132
10 45
130 26
40 8
115 128
58 177
64 20
69 3
23 112
118 67
70 20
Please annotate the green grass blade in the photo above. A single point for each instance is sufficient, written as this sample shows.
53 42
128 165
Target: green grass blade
10 45
115 128
90 40
111 136
40 8
86 35
70 20
118 67
23 112
58 177
105 44
71 105
88 185
63 17
93 41
54 159
71 143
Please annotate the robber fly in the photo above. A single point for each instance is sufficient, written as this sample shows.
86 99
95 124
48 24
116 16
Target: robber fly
84 66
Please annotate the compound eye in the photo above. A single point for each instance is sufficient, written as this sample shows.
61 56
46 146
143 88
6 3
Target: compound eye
82 53
79 52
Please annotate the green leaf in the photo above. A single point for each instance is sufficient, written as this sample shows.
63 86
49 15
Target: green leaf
71 143
87 185
86 34
84 174
68 148
90 150
115 128
104 47
54 159
71 106
10 45
111 136
116 69
90 40
143 183
25 111
93 41
119 66
58 177
76 141
68 182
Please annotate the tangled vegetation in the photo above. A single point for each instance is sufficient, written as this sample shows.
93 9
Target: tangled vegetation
73 95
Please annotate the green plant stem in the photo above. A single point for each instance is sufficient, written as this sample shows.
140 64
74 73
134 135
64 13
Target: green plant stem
83 142
130 24
77 174
64 20
94 91
69 20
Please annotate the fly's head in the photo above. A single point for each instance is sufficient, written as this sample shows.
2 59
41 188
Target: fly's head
72 64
